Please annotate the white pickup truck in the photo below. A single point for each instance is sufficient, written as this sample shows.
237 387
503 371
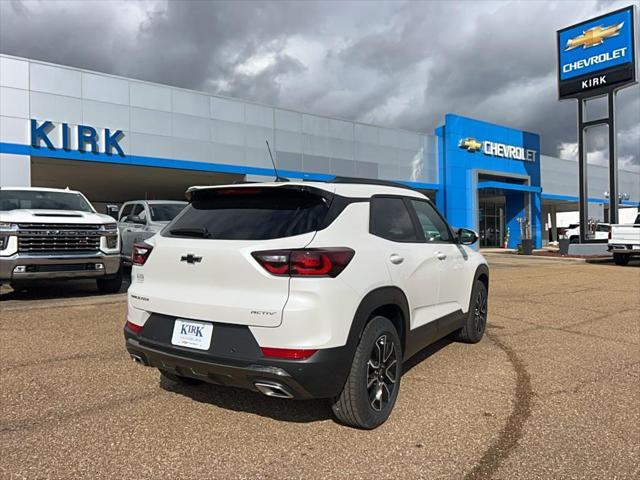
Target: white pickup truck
48 233
624 241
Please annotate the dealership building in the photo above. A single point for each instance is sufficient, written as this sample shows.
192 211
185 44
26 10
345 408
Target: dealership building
118 139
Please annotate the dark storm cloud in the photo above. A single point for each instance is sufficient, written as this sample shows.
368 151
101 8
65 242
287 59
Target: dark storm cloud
396 64
187 44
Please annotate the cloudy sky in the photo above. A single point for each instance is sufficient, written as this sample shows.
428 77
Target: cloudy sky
397 64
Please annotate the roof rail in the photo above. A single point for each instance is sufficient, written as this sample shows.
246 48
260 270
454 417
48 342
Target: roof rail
367 181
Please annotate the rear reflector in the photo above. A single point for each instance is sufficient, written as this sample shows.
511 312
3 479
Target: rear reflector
133 327
140 253
287 353
308 262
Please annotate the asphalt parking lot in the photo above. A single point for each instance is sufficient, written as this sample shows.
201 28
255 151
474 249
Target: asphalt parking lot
553 391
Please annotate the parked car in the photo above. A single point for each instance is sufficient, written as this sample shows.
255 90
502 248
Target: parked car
141 219
48 233
572 232
624 241
304 290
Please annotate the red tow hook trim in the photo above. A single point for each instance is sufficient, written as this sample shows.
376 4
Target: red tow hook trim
134 328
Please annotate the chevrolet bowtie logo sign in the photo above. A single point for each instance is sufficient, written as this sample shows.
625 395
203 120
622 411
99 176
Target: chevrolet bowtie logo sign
496 149
470 145
594 36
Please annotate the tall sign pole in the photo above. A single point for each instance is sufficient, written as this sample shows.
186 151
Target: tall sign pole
596 58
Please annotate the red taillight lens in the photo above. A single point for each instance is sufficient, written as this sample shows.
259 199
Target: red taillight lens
140 253
133 327
287 353
319 262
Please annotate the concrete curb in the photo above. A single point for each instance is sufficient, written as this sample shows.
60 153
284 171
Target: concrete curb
543 258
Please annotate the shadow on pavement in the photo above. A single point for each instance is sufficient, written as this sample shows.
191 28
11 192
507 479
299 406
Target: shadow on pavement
240 400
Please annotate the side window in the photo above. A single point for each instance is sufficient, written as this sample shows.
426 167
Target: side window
434 227
138 209
390 219
143 214
602 228
126 211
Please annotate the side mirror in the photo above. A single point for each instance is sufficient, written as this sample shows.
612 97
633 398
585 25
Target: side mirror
112 211
466 236
135 219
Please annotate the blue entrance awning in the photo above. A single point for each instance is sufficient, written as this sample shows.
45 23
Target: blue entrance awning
508 186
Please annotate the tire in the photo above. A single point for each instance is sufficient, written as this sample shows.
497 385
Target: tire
371 389
476 322
178 379
19 286
621 258
110 285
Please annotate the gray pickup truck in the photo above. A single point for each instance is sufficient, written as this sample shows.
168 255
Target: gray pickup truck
141 219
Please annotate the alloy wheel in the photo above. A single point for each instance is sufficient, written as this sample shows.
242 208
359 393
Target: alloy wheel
480 312
382 372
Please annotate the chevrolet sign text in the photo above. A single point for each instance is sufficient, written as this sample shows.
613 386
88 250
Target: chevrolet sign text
596 59
508 151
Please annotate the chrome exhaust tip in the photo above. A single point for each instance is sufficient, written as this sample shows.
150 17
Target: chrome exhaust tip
137 358
272 389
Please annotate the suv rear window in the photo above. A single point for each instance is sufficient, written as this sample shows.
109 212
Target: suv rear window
250 213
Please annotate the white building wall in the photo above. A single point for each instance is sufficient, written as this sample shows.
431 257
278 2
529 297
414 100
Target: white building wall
560 177
14 124
15 170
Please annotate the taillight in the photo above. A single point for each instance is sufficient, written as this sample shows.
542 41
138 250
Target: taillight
140 253
308 262
274 262
133 327
287 353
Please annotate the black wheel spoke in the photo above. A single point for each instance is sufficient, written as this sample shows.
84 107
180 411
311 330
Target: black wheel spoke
390 372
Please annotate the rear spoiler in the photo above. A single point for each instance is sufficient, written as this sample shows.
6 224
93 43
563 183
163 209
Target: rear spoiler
192 192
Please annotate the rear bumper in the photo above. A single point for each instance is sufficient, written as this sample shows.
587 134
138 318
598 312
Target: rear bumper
623 248
236 360
58 266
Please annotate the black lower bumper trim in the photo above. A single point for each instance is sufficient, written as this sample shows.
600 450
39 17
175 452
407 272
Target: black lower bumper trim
321 376
217 373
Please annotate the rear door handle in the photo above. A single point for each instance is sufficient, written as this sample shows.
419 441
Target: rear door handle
441 256
396 259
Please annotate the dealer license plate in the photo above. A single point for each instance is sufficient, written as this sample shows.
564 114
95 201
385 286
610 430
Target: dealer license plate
192 334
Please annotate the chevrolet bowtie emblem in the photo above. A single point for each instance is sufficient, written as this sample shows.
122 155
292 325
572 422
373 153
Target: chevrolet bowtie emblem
470 145
594 36
190 258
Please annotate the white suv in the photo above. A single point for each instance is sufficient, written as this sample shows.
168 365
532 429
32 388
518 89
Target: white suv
304 290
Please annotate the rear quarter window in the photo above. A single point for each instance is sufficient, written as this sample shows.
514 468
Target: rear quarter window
391 220
250 214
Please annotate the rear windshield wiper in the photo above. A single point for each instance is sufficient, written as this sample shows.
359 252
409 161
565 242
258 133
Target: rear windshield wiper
191 232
